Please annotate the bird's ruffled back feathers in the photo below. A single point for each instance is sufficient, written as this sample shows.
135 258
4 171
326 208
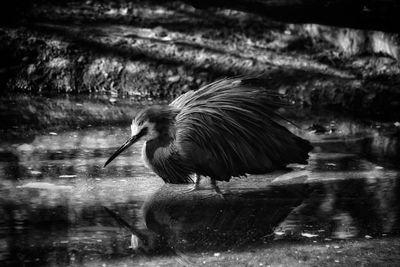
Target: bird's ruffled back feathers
232 123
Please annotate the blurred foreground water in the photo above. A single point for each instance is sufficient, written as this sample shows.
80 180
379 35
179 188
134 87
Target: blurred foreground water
53 189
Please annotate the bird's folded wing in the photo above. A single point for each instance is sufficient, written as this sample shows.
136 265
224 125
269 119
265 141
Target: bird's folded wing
233 123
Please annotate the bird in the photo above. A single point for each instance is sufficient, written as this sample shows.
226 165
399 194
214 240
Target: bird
228 128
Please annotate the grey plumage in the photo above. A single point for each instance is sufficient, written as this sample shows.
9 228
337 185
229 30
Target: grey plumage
225 129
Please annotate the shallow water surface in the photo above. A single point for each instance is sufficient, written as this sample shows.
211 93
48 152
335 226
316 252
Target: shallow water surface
53 190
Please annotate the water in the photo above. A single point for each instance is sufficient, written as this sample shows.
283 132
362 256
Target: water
53 190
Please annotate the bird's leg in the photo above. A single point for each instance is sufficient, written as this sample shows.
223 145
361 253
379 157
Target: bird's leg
215 187
198 179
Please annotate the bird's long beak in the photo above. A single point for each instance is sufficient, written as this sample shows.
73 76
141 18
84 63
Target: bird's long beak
127 144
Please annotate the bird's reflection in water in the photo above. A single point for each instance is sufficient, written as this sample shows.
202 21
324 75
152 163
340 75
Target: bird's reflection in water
332 209
203 219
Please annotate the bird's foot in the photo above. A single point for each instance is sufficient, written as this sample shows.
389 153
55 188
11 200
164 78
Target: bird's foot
193 188
218 191
196 187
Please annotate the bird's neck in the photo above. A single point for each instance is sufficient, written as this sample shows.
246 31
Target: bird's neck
162 141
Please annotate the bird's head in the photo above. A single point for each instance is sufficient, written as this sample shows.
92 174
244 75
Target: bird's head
149 124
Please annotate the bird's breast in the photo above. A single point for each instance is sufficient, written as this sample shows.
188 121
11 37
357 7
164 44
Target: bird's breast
162 158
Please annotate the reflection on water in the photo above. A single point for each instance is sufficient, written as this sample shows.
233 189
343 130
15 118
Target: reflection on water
53 189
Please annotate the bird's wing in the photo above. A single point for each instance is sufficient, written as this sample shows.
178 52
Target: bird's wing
228 129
